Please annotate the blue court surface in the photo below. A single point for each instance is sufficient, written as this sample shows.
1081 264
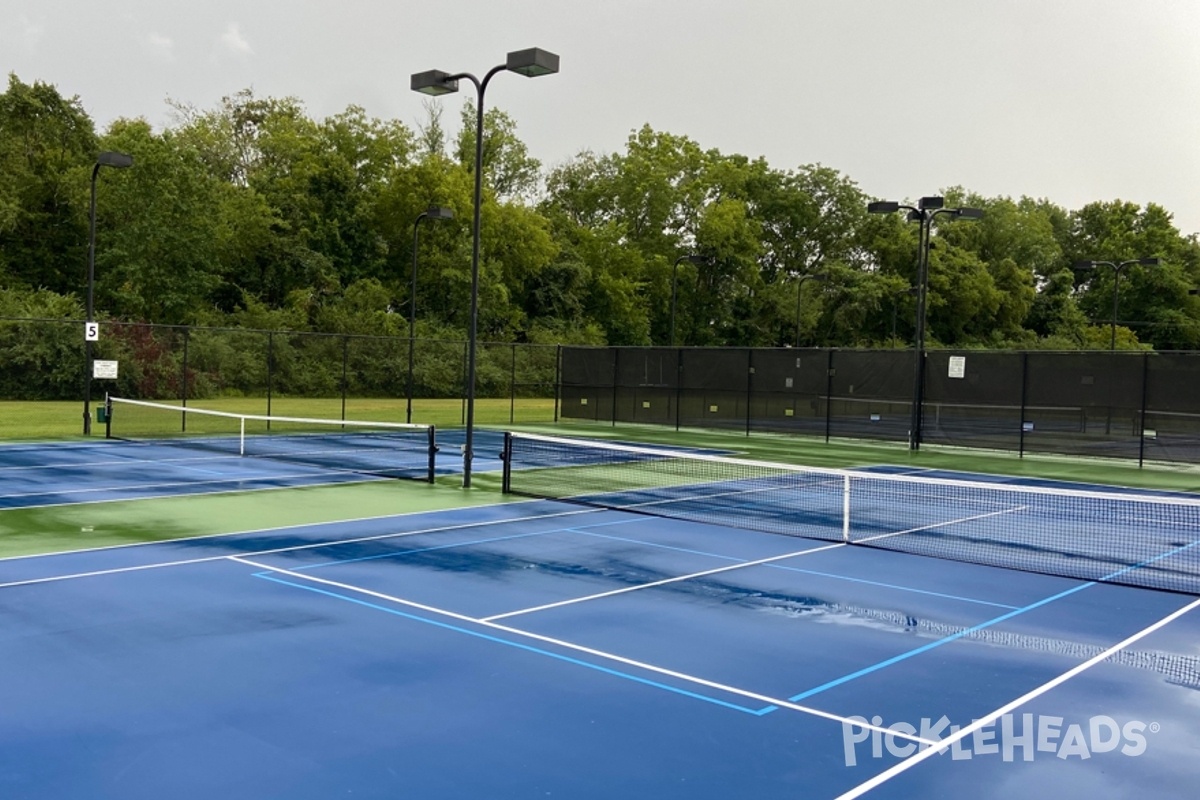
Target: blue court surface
538 649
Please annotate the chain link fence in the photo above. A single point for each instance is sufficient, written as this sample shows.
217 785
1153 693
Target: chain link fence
1143 405
45 360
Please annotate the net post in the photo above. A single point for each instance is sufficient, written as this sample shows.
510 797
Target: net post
432 453
108 416
241 436
506 460
846 508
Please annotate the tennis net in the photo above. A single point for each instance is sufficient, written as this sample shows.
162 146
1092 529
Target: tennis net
388 449
1131 538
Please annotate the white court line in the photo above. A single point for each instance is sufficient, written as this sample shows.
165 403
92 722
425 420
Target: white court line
731 567
362 478
913 760
273 529
663 582
582 649
876 538
288 549
168 485
124 462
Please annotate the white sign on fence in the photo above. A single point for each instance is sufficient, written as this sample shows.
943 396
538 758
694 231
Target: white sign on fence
104 370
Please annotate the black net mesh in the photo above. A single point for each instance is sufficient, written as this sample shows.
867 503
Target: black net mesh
1128 538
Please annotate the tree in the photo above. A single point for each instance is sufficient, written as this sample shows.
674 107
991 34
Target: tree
507 166
159 226
1152 300
47 146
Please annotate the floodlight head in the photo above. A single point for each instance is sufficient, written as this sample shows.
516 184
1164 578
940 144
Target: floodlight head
698 260
969 213
532 63
883 207
433 83
1150 262
931 203
817 276
439 212
1084 265
115 160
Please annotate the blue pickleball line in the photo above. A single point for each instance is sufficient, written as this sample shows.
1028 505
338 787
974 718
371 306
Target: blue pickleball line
1002 618
528 648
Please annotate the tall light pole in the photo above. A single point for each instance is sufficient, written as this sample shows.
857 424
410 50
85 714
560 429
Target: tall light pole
691 259
819 276
531 63
926 210
1117 266
116 161
433 212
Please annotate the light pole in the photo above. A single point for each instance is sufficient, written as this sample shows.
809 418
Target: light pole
819 276
531 63
433 212
691 259
926 210
116 161
1117 266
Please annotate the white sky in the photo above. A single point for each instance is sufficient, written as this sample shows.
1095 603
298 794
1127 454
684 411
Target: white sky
1071 100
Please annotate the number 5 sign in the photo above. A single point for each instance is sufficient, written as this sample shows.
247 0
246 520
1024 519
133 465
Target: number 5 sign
91 331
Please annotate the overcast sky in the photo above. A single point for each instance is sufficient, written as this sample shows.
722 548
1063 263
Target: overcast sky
1070 100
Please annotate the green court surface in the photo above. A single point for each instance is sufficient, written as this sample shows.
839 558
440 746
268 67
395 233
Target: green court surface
27 531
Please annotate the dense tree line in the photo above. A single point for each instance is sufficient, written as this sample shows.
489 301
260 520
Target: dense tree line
253 214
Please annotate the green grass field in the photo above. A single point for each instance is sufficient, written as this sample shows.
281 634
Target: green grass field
25 421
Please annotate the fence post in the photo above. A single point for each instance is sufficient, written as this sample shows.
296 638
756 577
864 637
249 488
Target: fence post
616 372
512 387
1024 400
270 372
345 364
828 394
558 350
183 382
1140 428
749 385
678 384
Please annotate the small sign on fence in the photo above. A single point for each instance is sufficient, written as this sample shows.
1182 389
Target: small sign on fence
104 370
